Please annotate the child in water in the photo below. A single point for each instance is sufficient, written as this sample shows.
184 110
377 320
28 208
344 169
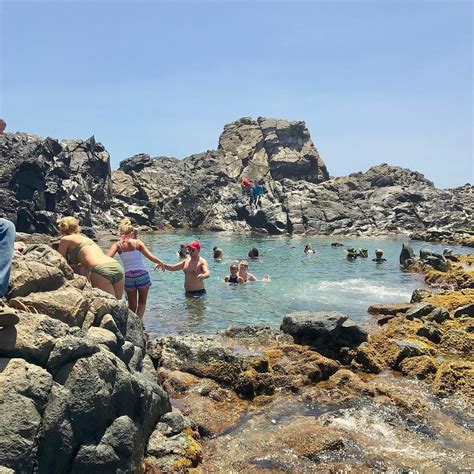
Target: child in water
379 257
234 277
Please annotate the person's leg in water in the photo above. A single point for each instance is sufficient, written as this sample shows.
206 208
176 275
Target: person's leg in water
142 297
132 297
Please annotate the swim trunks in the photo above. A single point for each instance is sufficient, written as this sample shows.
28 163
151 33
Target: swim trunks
137 279
194 293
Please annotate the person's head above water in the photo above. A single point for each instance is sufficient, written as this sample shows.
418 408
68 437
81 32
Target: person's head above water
218 254
234 269
253 253
244 264
193 247
68 225
379 253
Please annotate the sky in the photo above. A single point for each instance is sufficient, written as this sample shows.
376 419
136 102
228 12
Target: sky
386 81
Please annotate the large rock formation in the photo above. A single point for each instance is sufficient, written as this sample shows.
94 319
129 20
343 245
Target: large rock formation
203 190
77 391
42 179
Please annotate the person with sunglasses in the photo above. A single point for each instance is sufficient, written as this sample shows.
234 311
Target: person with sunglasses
195 270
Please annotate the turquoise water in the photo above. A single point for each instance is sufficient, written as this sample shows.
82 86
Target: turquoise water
313 282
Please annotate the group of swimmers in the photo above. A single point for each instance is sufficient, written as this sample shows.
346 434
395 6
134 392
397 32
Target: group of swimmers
106 273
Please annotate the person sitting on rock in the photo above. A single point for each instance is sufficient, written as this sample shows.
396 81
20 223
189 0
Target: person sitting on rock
253 253
218 253
183 251
244 273
8 316
234 277
103 271
379 256
137 276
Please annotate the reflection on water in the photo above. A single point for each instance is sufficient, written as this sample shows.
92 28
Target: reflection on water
312 282
196 308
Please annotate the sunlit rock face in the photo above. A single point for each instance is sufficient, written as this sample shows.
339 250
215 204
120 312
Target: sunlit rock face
42 179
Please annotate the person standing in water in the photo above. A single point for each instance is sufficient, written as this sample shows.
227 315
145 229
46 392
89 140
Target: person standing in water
137 276
195 270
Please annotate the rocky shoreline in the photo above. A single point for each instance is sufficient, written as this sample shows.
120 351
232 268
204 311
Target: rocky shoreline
82 388
44 179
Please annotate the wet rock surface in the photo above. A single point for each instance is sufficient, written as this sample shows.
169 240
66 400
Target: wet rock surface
307 412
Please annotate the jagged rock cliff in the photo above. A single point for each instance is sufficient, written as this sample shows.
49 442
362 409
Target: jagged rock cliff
42 179
203 190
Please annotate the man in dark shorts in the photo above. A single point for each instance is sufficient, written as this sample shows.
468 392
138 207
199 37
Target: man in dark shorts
195 270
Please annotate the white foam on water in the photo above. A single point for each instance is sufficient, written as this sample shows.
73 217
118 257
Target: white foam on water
383 434
363 287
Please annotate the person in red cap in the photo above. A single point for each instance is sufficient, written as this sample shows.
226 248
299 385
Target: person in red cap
195 270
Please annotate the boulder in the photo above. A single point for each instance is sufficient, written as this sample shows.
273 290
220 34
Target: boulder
466 310
24 392
419 310
325 331
65 304
430 331
420 367
438 315
367 359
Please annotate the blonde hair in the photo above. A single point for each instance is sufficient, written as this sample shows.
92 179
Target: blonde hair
68 225
125 226
244 263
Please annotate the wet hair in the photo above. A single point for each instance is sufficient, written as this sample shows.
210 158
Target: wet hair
244 263
234 266
253 253
68 225
217 252
125 226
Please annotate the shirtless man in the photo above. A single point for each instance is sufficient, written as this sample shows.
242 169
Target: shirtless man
195 270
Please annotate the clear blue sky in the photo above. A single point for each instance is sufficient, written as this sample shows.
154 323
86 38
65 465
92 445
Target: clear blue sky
375 81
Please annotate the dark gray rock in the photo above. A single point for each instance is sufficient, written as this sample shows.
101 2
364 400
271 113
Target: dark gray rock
438 315
419 310
327 332
435 260
466 310
430 331
44 179
408 349
407 255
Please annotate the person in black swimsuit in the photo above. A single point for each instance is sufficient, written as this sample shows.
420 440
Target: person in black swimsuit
234 277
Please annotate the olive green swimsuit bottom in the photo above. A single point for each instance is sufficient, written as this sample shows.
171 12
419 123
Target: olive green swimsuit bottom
112 271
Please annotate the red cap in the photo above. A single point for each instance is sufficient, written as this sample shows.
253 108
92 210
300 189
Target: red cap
194 245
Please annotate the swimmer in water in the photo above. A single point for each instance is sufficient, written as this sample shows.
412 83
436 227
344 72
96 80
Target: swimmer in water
234 277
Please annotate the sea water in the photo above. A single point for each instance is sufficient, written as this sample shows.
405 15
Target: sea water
324 281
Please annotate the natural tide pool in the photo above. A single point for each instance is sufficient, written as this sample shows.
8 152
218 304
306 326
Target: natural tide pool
314 282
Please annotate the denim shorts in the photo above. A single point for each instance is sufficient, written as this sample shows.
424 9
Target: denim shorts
137 279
